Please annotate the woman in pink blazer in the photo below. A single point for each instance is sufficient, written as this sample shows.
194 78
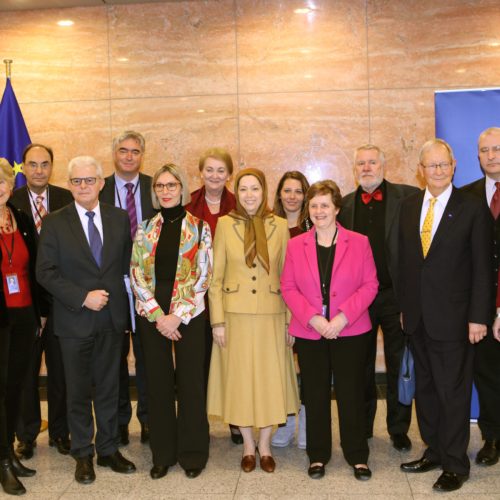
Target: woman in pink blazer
328 282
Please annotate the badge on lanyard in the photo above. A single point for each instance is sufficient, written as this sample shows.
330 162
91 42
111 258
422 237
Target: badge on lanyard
323 310
12 283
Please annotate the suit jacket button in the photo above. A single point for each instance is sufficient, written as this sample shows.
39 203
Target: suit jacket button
254 265
254 291
227 289
254 278
334 294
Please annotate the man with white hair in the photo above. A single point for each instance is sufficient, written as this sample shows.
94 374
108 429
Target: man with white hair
83 255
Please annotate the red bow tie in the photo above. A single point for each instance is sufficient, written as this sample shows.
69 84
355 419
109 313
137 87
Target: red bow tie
376 195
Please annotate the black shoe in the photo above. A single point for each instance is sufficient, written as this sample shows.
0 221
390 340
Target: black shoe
84 472
8 479
158 471
362 473
144 432
117 462
488 454
420 465
450 481
24 449
316 471
236 436
19 469
192 473
123 435
401 442
63 445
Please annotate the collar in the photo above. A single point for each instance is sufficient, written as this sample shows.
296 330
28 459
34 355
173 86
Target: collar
442 198
82 211
120 183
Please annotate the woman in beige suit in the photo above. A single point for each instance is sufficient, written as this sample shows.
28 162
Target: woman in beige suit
252 381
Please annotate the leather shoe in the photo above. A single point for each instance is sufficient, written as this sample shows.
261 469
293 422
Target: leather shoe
362 473
488 454
63 445
192 473
267 463
117 462
401 442
236 436
450 481
144 432
421 465
158 471
19 469
24 449
123 435
316 471
248 463
84 472
10 484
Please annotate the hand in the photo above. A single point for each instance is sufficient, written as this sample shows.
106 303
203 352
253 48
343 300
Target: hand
289 339
401 320
496 329
319 323
476 332
43 322
96 300
219 334
335 326
168 325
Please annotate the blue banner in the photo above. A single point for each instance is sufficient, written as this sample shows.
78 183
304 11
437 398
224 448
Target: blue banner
14 135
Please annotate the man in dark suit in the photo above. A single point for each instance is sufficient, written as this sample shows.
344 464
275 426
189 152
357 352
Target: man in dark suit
487 355
373 210
37 199
83 256
445 296
129 189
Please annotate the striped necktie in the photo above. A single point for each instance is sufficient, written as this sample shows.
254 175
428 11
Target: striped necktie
426 234
131 209
40 213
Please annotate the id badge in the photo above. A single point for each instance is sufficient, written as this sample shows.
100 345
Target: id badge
323 310
12 283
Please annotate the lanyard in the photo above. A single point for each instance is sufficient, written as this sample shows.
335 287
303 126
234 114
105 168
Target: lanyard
118 192
323 273
34 203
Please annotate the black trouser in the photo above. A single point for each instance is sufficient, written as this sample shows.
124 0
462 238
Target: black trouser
487 380
346 359
16 344
30 419
125 405
92 361
181 437
443 376
384 313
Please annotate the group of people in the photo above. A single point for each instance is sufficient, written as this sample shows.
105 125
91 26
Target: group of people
217 292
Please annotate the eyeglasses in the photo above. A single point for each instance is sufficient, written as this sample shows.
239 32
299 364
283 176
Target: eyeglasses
444 165
493 149
88 181
170 186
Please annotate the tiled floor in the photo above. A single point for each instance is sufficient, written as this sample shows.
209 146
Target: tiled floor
223 480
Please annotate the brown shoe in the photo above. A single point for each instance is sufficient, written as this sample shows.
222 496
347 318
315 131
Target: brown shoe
248 463
267 463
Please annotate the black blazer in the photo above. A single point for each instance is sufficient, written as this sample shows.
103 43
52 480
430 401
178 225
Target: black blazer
67 269
451 287
395 193
107 194
28 232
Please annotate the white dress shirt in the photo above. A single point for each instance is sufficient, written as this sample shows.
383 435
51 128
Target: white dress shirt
439 206
85 220
33 196
490 189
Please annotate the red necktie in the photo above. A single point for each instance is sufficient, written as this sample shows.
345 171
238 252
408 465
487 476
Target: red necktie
495 201
378 196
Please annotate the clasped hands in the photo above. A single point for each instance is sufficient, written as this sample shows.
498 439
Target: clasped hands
168 325
329 329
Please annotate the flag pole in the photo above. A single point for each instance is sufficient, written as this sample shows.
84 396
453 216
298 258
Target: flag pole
7 63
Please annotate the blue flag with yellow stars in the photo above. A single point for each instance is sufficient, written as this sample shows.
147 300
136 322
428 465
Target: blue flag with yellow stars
14 135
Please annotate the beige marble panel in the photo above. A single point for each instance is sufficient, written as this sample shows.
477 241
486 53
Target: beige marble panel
401 121
54 63
172 49
314 132
179 129
450 43
281 50
71 129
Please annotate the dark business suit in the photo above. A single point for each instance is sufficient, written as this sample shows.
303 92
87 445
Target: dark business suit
487 355
90 340
125 407
439 296
30 417
384 312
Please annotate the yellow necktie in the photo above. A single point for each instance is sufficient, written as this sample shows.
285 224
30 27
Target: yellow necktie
426 234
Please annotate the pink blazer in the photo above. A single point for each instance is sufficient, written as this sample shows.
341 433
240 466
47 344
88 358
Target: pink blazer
353 287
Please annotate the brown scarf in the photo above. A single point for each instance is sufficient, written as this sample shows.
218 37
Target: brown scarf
255 241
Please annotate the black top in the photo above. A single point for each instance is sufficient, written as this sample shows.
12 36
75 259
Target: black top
167 254
326 257
369 220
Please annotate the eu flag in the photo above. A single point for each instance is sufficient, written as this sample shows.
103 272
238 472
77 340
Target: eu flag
14 135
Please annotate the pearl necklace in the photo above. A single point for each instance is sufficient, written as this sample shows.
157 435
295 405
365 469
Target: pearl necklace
212 202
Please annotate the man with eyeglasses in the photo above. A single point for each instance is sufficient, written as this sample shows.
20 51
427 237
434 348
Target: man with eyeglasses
130 189
444 294
83 256
373 210
37 199
487 355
